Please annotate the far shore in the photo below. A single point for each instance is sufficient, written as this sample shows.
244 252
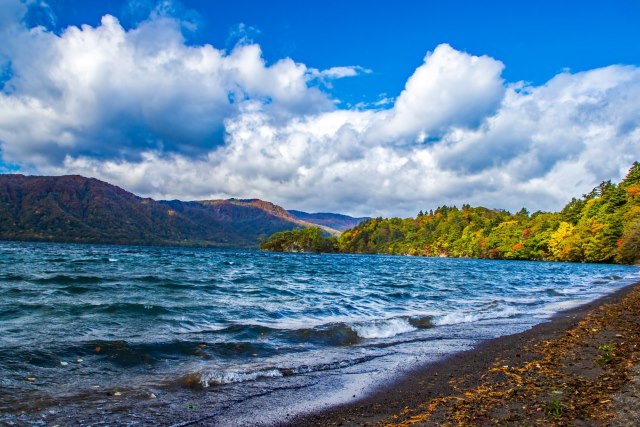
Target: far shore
580 368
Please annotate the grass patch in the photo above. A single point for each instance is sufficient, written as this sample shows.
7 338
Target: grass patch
608 352
554 408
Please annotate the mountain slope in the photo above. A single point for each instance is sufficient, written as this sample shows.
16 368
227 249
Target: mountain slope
602 226
78 209
336 221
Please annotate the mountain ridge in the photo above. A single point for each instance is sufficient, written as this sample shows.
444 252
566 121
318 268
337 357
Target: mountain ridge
73 208
336 221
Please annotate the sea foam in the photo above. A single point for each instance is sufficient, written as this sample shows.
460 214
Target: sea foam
230 377
383 328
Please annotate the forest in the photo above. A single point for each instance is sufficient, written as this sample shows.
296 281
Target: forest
602 226
307 240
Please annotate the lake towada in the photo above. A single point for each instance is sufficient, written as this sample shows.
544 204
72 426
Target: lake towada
133 335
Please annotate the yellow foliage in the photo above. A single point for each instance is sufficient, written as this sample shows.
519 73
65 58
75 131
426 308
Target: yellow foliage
560 240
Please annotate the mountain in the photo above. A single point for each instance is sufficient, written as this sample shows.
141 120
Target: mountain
87 210
336 221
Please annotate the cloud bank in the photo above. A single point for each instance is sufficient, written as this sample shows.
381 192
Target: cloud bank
145 110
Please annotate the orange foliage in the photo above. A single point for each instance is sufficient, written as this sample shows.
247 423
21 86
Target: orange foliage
483 242
633 191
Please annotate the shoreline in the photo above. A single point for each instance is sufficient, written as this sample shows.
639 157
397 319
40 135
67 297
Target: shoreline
462 388
396 401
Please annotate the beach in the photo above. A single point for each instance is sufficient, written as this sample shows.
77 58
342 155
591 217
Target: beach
579 368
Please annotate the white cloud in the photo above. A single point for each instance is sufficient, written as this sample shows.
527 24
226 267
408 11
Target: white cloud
339 72
107 92
451 89
146 111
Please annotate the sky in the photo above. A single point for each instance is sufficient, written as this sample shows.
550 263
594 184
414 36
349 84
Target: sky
377 109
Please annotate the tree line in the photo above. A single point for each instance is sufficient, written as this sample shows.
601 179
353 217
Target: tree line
602 226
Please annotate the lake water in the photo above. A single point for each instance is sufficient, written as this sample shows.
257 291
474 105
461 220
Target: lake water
144 335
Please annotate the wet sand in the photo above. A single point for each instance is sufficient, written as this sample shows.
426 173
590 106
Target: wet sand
580 368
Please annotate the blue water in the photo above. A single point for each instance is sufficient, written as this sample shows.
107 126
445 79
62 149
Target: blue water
132 333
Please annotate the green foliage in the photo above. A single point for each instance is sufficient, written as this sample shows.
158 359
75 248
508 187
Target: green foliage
554 408
310 240
629 247
608 353
602 226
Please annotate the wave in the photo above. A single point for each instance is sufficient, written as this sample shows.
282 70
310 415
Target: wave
334 334
331 334
13 278
75 289
466 317
552 292
63 279
150 279
388 328
421 322
127 354
383 328
213 378
221 378
130 308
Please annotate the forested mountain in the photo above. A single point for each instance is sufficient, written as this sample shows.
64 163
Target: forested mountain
78 209
602 226
335 221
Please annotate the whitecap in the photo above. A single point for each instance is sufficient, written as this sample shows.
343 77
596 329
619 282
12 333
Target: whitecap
230 377
382 328
466 317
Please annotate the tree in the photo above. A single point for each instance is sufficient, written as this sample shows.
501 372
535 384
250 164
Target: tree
629 245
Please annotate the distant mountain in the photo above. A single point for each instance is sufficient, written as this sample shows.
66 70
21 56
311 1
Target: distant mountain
87 210
336 221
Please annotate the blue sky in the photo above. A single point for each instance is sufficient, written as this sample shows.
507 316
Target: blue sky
352 106
535 39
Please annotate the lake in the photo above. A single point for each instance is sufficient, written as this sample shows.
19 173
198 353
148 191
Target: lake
135 335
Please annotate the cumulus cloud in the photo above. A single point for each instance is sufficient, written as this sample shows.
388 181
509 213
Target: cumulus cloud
107 92
451 89
145 110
